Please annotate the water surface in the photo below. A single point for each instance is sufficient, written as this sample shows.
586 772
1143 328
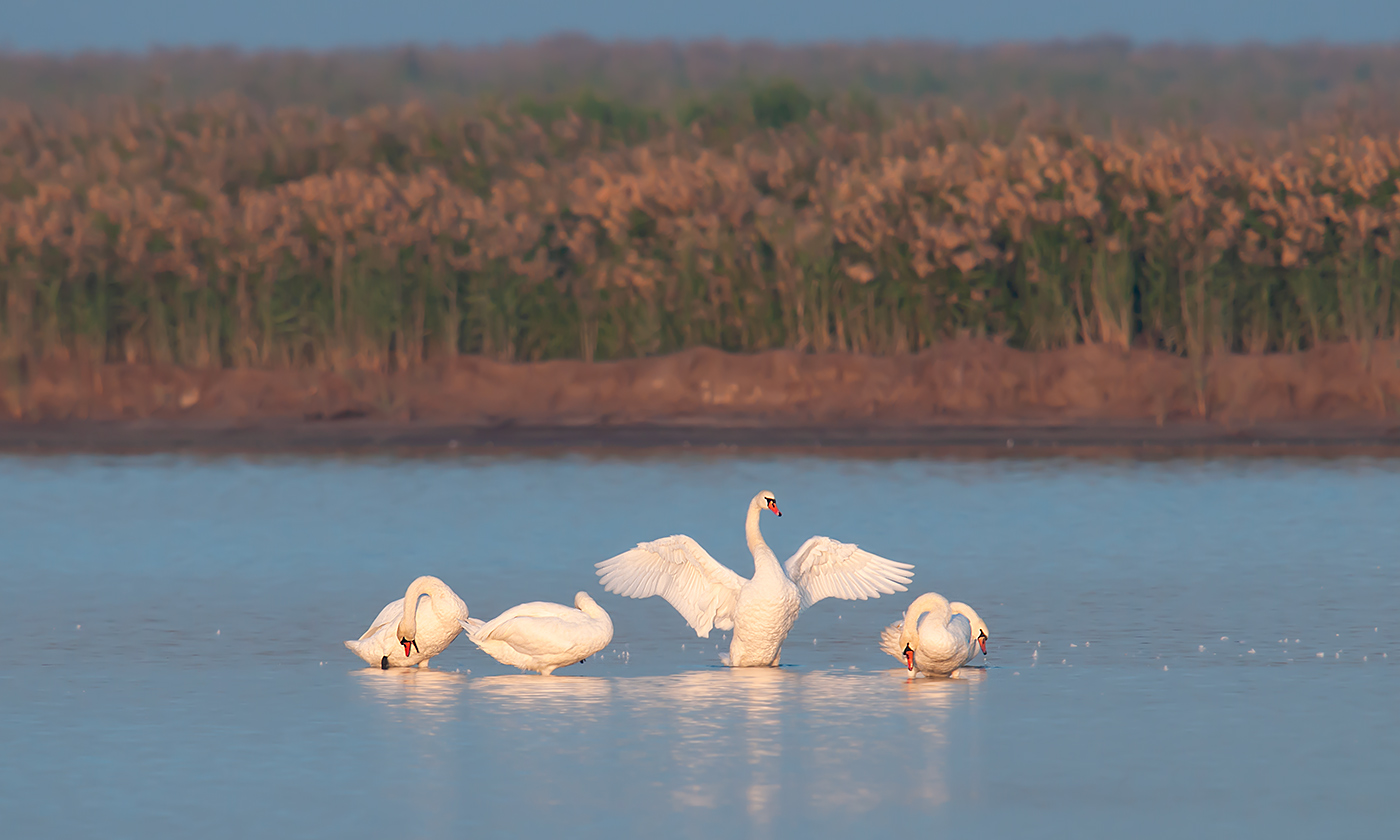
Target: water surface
1178 647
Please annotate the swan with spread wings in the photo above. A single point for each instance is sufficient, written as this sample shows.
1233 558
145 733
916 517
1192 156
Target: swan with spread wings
761 611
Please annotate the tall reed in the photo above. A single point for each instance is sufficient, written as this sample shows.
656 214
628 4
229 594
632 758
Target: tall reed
223 235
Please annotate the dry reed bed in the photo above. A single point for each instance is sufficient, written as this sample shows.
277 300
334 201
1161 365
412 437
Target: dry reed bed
220 236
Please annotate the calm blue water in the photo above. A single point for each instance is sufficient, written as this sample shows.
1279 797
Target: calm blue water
1192 647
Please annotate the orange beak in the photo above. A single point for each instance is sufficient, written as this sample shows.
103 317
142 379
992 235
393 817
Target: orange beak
982 640
773 506
909 657
407 647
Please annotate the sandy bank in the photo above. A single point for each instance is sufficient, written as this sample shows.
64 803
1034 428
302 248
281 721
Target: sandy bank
969 393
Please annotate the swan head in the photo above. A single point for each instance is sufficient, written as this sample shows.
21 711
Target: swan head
980 633
766 499
408 641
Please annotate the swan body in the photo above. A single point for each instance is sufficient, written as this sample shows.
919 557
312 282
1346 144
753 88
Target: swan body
401 637
760 611
540 636
936 637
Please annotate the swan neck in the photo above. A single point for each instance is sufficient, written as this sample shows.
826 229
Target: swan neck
926 603
763 558
959 608
590 608
408 625
930 602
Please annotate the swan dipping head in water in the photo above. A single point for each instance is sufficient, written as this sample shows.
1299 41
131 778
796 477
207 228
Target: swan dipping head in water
410 631
936 637
977 629
980 633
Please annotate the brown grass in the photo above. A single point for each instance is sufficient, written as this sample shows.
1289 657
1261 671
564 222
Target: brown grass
220 235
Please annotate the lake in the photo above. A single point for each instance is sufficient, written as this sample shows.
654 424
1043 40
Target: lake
1178 647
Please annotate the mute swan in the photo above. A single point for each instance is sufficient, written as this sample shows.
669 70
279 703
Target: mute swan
401 638
540 636
760 611
935 636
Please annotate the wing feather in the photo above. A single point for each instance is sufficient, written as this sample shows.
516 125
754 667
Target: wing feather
702 590
889 639
391 614
534 635
537 609
526 612
825 568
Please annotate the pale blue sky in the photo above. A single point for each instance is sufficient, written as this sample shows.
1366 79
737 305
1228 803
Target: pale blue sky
133 25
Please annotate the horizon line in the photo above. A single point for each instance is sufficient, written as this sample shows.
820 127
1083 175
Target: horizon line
1101 39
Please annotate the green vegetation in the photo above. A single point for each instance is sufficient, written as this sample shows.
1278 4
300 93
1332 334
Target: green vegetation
581 222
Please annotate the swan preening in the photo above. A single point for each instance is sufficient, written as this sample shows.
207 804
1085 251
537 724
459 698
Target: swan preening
537 636
540 636
760 611
401 637
936 637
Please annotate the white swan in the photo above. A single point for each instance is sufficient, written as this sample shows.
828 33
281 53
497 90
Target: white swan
935 636
759 611
400 637
540 636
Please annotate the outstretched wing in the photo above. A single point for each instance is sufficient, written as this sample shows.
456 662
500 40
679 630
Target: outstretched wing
679 570
889 639
825 568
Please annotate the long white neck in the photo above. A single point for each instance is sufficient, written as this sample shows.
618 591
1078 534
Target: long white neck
764 561
425 585
978 625
589 607
929 602
958 607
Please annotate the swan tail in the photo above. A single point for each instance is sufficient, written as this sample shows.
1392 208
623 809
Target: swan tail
358 648
889 640
471 625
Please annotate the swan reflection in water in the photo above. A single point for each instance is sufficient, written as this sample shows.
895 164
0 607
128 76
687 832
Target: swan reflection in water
529 699
771 741
709 717
431 696
851 738
422 706
931 704
557 731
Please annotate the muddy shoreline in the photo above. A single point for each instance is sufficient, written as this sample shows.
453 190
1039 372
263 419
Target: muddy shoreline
973 397
361 436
